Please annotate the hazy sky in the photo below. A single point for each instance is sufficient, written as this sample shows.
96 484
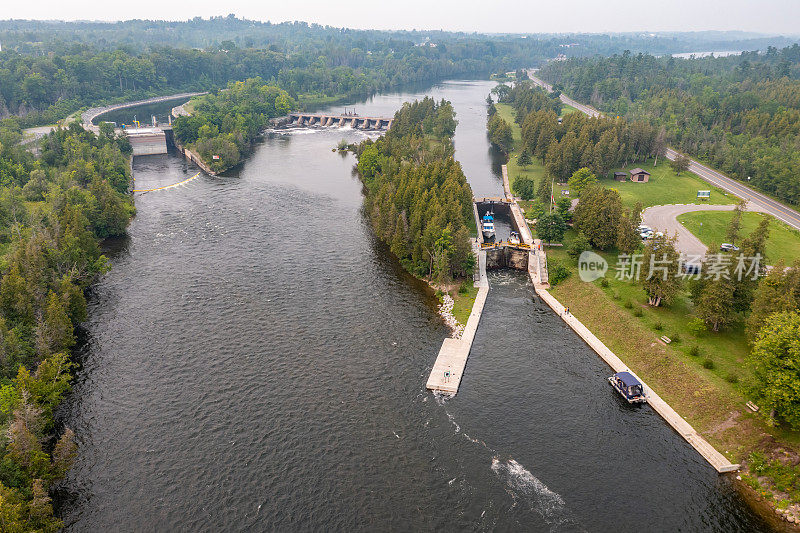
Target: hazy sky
768 16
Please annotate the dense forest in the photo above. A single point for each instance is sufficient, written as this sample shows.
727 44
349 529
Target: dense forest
739 113
222 125
417 196
51 69
577 141
63 70
54 209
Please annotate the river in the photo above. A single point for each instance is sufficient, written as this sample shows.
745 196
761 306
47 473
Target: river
256 361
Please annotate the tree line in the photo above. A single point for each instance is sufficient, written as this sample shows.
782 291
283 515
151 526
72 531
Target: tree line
224 124
417 197
48 71
54 209
739 113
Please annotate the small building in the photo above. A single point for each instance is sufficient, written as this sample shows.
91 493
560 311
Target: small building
620 176
640 175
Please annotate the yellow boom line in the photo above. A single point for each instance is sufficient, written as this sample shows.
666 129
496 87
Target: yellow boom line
167 186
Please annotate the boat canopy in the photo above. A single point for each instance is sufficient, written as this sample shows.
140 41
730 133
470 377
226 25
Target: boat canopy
628 379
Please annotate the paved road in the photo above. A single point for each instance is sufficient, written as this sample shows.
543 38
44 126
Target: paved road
664 218
756 200
89 115
33 134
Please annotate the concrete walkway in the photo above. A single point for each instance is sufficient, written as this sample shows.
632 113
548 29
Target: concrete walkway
449 366
716 459
664 218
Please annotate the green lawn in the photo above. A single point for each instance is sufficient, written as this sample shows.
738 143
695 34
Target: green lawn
462 303
535 170
710 227
565 109
665 187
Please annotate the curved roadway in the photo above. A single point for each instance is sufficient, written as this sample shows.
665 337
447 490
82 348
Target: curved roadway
756 201
664 218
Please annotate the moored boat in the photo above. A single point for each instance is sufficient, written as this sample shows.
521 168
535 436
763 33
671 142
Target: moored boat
487 225
628 386
513 238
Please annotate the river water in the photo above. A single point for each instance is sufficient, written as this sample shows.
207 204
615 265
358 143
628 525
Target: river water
256 361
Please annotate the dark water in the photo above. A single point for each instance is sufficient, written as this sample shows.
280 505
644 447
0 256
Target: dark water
142 113
256 361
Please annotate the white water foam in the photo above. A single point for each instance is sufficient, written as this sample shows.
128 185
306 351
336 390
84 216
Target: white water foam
550 505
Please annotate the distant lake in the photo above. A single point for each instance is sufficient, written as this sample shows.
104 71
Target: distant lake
723 53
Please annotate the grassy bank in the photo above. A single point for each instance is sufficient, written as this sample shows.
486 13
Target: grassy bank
463 300
535 170
702 375
710 227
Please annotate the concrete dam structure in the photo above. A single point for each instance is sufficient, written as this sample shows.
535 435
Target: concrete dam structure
352 120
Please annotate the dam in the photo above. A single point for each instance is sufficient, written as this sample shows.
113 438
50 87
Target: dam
351 119
194 426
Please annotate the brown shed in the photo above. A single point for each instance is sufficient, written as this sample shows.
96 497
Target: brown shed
620 176
640 175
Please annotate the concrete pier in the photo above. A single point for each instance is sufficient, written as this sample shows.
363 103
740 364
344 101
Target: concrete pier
448 369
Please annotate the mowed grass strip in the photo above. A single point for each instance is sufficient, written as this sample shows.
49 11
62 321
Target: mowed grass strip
710 227
535 170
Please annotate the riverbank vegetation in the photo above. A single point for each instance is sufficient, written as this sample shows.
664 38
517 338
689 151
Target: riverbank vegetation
727 337
417 196
224 124
741 114
54 210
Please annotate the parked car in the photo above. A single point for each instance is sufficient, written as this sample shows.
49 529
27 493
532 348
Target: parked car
728 247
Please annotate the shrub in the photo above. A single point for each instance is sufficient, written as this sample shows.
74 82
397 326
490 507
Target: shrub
658 326
732 377
463 289
578 245
638 312
603 282
697 326
708 363
524 187
676 338
616 295
557 272
694 350
628 304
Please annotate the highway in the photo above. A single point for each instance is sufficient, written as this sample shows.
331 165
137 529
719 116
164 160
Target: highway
758 201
